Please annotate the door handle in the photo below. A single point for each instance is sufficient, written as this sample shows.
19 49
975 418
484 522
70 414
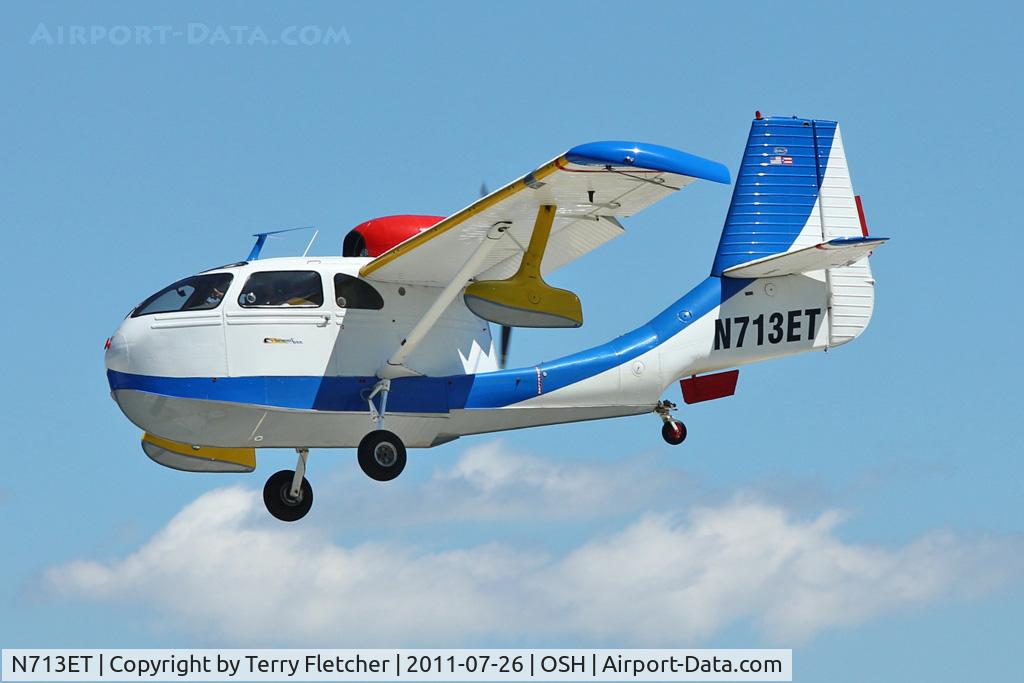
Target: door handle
324 319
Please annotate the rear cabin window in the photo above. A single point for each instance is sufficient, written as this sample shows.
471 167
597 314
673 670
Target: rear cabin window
351 292
283 288
196 293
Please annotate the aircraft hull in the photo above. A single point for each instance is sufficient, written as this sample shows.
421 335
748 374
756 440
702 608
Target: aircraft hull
232 425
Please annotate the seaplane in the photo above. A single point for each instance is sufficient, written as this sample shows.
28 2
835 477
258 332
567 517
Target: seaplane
389 346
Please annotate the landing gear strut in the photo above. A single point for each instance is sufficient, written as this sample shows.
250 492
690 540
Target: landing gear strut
287 494
672 430
381 453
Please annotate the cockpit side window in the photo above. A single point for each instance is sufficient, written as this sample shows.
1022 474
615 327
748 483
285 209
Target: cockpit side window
351 292
196 293
283 288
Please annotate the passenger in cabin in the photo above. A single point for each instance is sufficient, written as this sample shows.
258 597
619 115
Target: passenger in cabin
214 297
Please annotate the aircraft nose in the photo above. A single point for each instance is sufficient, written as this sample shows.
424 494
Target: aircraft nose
116 356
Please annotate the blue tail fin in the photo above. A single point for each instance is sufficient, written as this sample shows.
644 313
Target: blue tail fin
775 205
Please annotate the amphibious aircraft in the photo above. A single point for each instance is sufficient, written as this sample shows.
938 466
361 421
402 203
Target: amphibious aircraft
389 345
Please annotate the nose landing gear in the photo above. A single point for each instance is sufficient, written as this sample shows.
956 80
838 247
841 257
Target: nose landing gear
288 494
672 430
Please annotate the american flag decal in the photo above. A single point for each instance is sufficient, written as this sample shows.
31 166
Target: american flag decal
781 161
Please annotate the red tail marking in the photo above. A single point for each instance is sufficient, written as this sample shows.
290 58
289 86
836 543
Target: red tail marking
860 214
709 387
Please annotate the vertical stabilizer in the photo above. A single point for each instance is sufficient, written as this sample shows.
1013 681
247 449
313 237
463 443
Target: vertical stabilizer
793 192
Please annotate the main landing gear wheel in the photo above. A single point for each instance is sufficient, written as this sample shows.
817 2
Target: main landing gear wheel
277 495
674 432
382 455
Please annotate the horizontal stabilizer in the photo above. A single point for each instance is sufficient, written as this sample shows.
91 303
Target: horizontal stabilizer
835 253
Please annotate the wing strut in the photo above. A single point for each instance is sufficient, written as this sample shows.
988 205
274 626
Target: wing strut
395 366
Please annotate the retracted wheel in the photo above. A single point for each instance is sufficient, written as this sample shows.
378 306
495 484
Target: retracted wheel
674 432
382 455
277 495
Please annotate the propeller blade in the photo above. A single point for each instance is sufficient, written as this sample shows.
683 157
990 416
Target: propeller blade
506 341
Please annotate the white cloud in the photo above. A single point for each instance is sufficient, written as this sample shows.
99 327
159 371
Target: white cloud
491 482
223 569
221 566
661 579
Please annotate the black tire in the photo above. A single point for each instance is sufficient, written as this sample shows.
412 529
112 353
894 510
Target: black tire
674 432
277 497
382 455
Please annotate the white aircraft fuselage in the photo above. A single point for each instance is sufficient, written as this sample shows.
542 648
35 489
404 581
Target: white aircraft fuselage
292 376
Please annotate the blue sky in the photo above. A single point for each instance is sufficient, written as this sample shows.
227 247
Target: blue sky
128 166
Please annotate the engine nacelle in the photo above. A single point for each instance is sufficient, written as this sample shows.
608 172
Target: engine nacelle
377 235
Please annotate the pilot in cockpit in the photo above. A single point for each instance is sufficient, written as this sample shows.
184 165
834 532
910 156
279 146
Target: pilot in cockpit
214 297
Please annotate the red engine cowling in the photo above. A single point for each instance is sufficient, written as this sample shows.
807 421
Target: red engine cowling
377 235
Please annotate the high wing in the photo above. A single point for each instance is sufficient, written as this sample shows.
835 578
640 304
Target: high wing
591 186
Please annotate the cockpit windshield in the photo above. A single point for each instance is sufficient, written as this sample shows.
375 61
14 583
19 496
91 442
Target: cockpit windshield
196 293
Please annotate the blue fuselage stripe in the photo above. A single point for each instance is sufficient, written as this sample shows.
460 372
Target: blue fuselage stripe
436 395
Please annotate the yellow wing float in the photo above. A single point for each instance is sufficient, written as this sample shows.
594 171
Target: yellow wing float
525 300
179 456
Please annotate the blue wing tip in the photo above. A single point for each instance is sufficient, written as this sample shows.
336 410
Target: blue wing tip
650 157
